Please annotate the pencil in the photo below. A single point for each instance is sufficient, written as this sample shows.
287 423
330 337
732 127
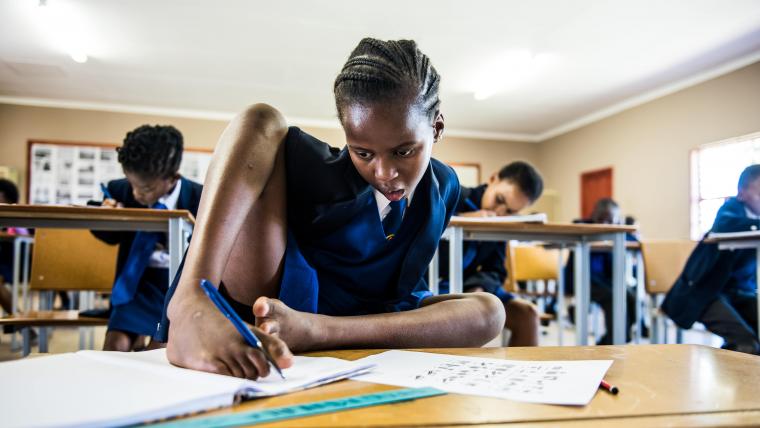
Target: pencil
612 389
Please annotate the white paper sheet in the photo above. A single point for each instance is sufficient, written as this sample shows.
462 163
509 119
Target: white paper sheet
550 382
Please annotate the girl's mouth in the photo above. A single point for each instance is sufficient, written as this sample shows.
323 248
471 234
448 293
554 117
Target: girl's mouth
395 195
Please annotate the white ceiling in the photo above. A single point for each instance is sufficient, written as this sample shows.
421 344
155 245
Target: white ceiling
210 58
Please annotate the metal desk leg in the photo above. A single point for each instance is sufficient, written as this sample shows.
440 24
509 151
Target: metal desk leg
26 335
15 285
639 294
560 296
618 290
757 280
582 292
433 274
175 246
456 280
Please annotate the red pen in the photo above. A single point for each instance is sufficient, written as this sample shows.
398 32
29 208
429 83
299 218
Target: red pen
612 389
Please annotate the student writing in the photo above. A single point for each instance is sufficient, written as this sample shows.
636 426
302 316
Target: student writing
719 288
323 248
512 189
150 157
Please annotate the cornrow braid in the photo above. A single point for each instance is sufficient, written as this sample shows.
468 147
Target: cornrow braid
152 151
379 71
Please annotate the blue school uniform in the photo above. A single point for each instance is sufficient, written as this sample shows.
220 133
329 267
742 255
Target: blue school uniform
483 261
710 273
338 260
141 314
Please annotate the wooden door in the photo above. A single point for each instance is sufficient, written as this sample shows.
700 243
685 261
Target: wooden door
595 185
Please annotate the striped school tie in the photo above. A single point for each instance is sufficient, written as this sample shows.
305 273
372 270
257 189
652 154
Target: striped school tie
392 221
143 245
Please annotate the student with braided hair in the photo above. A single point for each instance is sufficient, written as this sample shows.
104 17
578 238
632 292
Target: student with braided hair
322 248
150 158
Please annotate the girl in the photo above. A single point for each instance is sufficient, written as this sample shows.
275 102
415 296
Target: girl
322 248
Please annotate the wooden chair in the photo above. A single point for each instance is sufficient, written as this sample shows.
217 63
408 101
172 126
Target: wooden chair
65 260
534 265
663 262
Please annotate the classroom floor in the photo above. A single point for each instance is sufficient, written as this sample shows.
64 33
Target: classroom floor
67 340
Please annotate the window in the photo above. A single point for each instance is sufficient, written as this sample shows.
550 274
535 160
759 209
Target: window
715 170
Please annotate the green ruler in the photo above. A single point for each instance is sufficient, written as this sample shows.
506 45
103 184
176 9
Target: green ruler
306 409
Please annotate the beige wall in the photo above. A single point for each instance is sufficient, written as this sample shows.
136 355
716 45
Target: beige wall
21 123
648 147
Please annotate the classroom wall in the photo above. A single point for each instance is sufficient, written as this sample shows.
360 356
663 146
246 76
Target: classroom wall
21 123
648 148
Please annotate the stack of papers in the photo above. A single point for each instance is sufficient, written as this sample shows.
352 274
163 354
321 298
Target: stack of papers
528 218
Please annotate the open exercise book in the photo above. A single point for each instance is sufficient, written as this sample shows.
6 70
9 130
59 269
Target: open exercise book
95 388
527 218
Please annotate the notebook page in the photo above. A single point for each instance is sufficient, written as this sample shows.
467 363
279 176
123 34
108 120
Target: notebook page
305 372
69 390
96 388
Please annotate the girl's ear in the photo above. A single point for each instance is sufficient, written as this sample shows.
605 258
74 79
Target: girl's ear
438 127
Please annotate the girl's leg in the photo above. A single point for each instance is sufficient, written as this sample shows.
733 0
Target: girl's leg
119 341
239 238
523 321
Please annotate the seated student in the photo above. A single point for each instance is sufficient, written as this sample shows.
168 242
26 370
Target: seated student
322 248
719 288
150 158
606 211
515 187
8 195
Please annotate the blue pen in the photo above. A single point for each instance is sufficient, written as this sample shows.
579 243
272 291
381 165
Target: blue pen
471 204
106 193
231 315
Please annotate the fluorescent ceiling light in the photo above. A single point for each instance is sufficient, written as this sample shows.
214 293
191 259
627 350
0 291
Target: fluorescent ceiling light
63 27
509 71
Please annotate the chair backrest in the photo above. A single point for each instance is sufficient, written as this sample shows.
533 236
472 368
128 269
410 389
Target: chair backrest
663 262
65 259
530 263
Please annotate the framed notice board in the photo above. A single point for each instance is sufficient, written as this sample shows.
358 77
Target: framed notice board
63 173
468 173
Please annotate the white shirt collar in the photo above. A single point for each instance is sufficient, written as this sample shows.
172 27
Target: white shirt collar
170 199
751 215
383 204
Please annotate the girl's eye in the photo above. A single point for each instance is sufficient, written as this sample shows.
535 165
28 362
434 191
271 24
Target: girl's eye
363 155
404 153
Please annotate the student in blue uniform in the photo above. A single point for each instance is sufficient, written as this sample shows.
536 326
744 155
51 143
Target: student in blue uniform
515 187
8 195
150 158
323 248
719 288
606 211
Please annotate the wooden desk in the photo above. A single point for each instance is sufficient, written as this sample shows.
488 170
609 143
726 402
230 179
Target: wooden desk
576 236
176 223
749 240
684 385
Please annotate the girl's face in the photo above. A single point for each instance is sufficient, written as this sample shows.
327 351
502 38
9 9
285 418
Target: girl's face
148 191
751 196
503 197
390 144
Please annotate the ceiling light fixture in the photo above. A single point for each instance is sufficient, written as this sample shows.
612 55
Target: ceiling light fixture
64 28
509 71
